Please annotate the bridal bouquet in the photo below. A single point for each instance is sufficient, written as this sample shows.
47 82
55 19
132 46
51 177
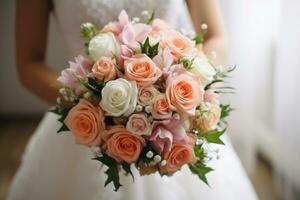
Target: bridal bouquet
145 96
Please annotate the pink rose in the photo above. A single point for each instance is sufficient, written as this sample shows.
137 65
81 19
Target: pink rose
86 122
142 69
184 93
123 145
164 133
179 45
146 95
139 124
179 155
161 109
80 68
104 68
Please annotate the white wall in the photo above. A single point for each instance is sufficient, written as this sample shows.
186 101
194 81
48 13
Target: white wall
13 98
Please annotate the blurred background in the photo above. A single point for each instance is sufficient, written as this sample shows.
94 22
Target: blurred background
264 129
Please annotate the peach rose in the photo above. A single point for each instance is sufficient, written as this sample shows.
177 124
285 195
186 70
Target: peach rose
138 124
184 93
179 155
123 145
179 45
142 69
104 68
161 108
208 118
146 95
86 122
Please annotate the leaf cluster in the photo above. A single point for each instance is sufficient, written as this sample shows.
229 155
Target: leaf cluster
148 49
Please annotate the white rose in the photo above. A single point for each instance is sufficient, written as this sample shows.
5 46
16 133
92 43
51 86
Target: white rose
103 44
204 69
119 97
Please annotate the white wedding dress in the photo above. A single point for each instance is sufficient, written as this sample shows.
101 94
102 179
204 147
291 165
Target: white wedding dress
55 168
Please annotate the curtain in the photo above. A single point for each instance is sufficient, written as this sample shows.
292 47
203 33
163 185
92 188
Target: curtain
287 99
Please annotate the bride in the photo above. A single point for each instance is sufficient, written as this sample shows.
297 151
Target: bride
53 166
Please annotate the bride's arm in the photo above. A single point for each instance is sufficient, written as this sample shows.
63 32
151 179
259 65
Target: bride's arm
32 18
208 12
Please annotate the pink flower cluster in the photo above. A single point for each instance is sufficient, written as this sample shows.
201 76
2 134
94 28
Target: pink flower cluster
144 101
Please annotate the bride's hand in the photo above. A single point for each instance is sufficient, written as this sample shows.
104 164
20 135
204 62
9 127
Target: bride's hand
208 12
32 18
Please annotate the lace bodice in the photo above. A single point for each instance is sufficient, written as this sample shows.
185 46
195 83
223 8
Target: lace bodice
69 14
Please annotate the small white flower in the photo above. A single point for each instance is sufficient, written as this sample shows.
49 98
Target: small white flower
204 26
135 19
157 158
72 99
145 12
58 100
66 98
176 116
199 141
139 108
148 109
63 91
103 44
163 163
96 151
87 95
149 154
198 113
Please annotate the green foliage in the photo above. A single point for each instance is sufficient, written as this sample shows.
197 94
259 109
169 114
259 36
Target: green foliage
225 110
93 85
199 152
200 169
213 136
127 169
62 112
149 17
88 30
199 39
112 172
187 63
148 49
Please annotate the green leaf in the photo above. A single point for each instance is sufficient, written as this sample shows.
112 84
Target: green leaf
225 110
199 39
93 85
199 152
127 169
62 112
187 63
201 170
150 17
63 128
148 49
207 87
213 136
112 172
